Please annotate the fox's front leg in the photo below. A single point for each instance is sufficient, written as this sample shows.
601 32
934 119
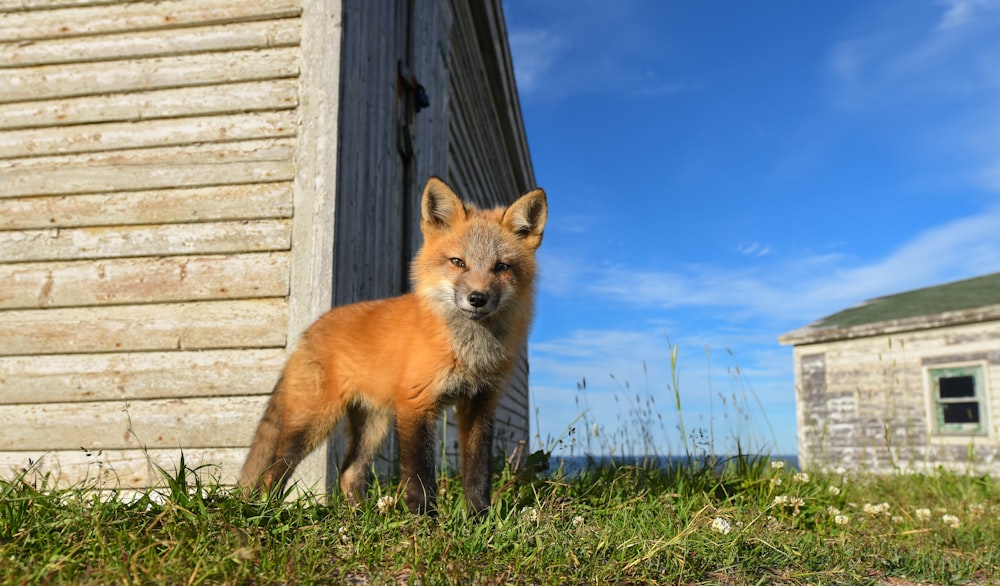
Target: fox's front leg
475 430
416 459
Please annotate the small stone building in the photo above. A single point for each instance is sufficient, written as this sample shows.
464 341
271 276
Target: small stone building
907 382
186 185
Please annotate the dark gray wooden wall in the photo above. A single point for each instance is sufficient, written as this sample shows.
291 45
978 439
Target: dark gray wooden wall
471 135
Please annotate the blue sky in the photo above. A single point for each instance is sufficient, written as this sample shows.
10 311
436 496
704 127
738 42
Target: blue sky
725 172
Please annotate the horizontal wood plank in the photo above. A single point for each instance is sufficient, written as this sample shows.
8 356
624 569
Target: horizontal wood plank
172 167
126 241
141 375
159 43
165 206
88 79
145 134
119 469
219 422
26 5
136 16
127 474
254 96
121 281
250 323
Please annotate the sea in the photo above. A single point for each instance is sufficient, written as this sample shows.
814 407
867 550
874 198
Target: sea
571 466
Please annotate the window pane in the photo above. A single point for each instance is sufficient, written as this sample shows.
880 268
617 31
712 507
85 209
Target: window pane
952 387
960 412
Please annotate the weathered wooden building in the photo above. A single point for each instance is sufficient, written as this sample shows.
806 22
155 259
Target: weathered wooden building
908 382
185 186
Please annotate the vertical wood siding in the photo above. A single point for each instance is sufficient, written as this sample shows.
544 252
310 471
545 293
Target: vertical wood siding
146 184
864 401
472 128
488 158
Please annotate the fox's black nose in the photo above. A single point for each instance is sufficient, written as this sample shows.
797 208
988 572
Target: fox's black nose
478 299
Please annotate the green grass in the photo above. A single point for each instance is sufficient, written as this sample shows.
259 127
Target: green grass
607 525
734 522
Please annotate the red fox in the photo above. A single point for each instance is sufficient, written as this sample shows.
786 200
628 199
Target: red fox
452 340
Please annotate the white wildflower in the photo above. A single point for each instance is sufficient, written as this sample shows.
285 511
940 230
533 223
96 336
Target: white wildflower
775 482
897 519
951 521
345 537
977 509
841 519
879 509
789 501
385 503
802 477
577 521
832 511
777 464
833 490
531 513
923 514
720 525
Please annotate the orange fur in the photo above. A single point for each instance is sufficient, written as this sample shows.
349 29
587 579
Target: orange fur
453 340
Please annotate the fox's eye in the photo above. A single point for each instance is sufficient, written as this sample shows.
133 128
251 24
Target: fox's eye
457 262
501 267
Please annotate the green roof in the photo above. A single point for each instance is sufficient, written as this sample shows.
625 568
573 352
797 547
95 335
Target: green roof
967 294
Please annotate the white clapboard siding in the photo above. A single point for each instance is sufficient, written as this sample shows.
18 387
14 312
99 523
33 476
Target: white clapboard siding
246 323
162 239
119 469
26 5
118 281
138 16
165 206
254 96
256 161
211 422
158 43
120 376
145 134
88 79
148 175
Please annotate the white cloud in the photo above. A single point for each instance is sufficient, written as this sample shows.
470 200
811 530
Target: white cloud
535 53
940 71
811 287
754 249
961 13
576 54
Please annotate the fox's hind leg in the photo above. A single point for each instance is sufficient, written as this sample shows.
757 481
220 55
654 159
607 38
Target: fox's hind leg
298 418
264 446
368 429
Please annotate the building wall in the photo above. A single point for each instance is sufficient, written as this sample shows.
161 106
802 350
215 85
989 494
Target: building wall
148 157
866 402
488 154
471 135
185 186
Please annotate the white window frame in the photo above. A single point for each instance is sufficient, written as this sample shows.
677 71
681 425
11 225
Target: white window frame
938 428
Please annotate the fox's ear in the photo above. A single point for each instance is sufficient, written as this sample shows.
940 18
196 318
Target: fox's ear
526 217
440 208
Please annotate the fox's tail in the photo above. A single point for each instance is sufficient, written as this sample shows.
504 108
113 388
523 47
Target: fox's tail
264 446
